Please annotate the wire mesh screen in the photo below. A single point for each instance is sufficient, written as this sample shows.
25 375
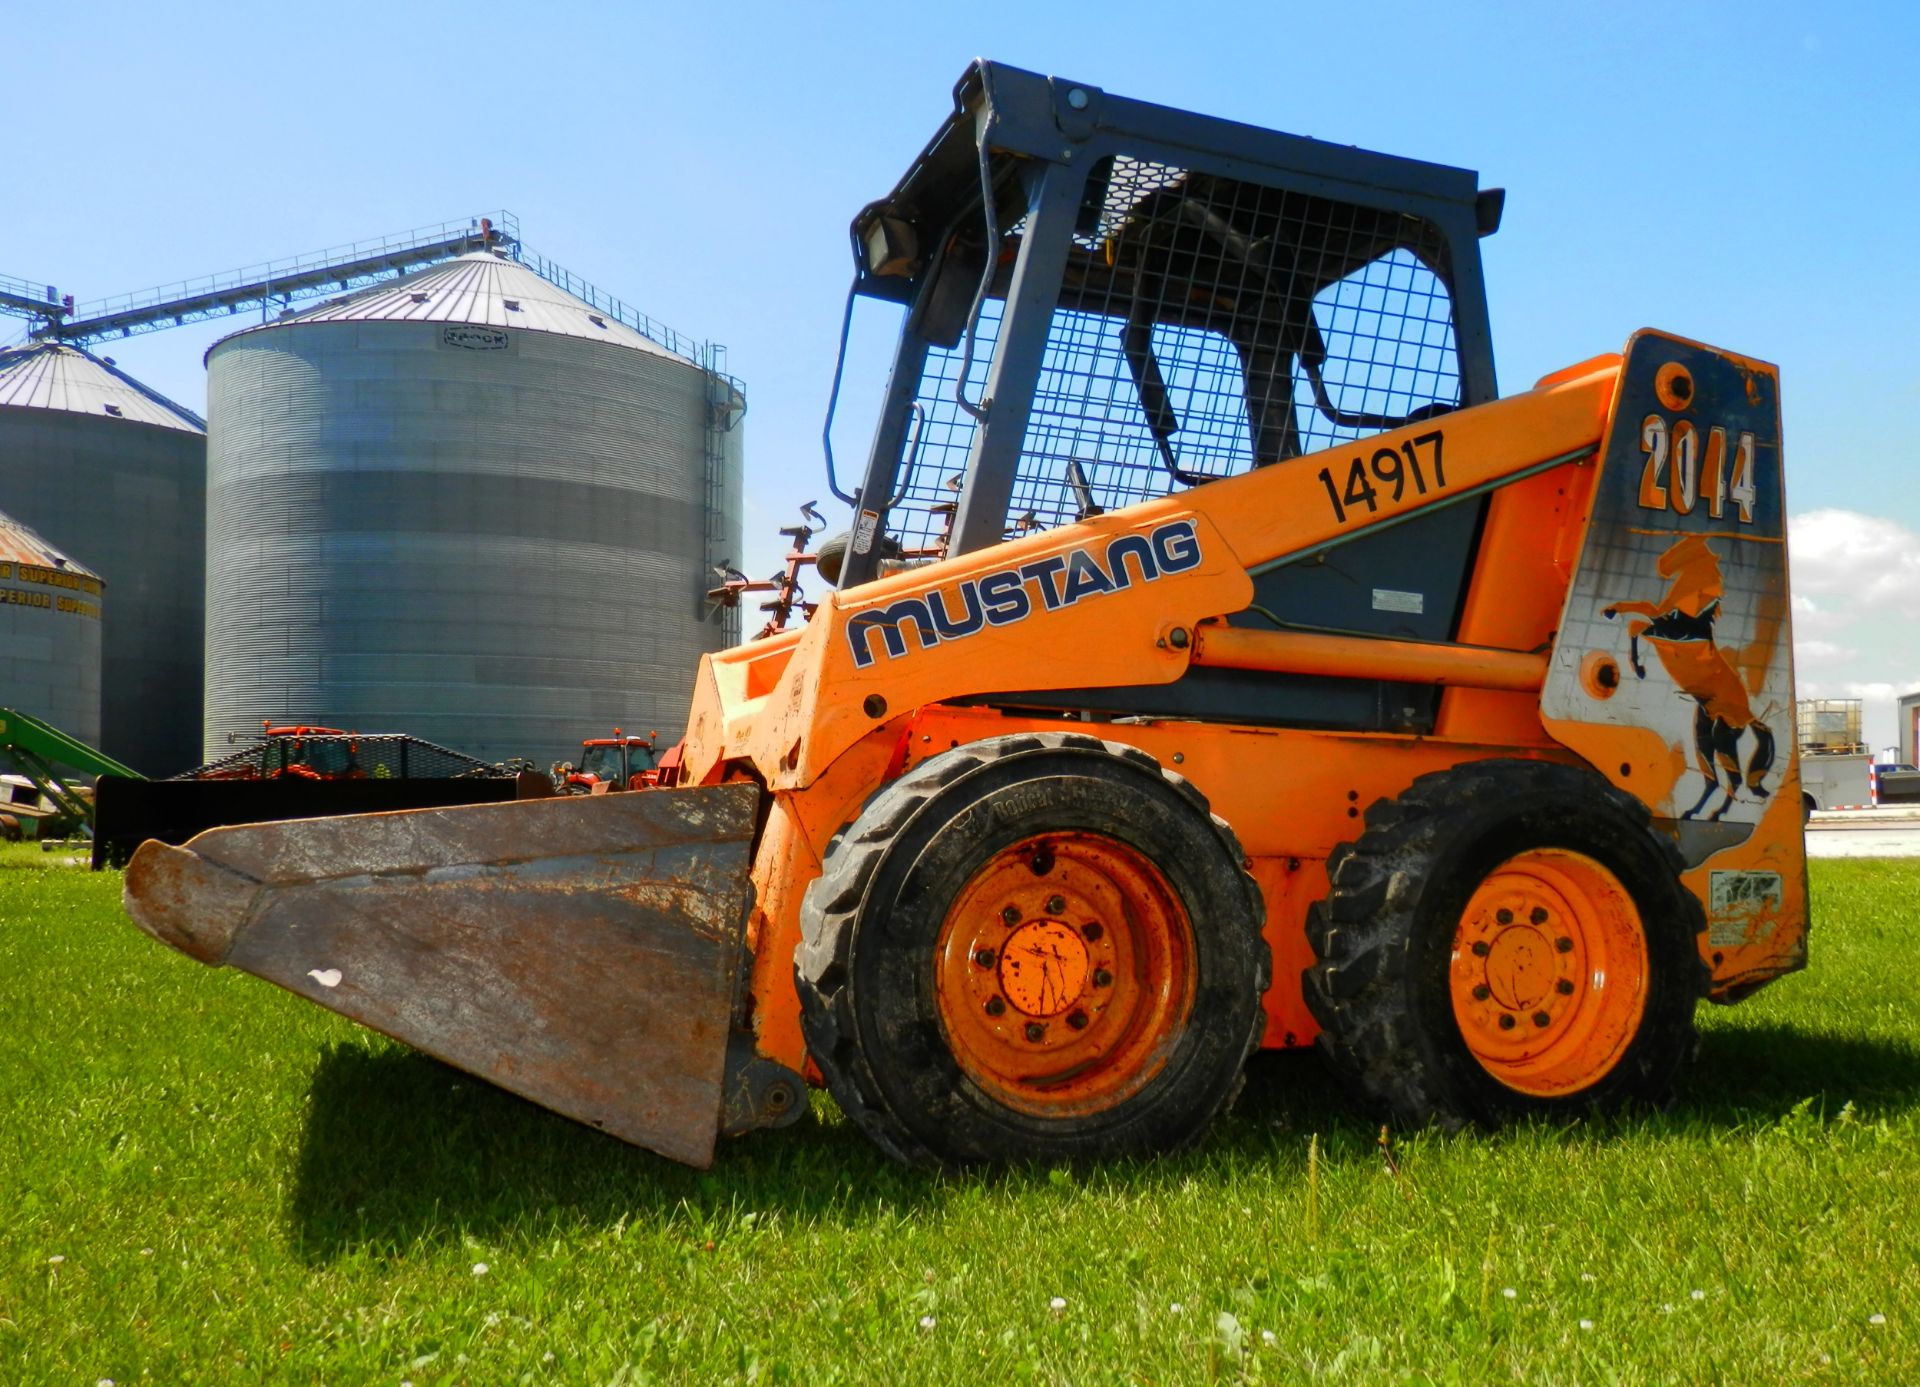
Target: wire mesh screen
1204 325
326 756
1388 329
941 436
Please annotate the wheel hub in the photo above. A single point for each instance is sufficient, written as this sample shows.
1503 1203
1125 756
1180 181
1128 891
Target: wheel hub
1520 967
1062 968
1549 972
1044 967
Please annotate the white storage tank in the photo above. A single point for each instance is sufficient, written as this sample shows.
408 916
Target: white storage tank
101 465
466 505
50 633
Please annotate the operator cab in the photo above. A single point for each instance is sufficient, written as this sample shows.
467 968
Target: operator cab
1107 300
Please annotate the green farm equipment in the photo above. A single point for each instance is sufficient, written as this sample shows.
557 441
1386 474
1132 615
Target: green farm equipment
36 748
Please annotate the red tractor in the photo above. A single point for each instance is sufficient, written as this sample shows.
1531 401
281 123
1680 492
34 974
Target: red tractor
298 751
619 762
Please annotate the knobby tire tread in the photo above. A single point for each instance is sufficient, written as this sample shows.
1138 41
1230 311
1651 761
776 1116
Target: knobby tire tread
832 907
1364 935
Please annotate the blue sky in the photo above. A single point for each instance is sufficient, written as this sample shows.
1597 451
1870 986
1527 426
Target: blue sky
1748 176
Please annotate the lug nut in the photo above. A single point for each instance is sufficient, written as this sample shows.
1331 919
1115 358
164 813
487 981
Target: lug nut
1564 987
1542 1020
1056 905
1539 915
1010 916
1563 944
1481 992
1102 978
996 1006
1077 1020
1036 1031
1503 915
1480 948
1506 1022
984 958
1091 930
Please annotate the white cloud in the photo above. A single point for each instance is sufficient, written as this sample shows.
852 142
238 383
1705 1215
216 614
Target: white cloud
1818 652
1856 612
1857 558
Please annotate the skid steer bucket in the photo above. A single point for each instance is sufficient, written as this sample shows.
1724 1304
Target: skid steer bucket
581 952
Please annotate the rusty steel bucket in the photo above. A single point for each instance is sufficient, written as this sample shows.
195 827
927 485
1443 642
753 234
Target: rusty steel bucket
582 952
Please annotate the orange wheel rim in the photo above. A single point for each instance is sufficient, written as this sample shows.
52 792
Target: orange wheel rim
1549 972
1064 970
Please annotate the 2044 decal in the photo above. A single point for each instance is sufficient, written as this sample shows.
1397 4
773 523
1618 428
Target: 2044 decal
1679 474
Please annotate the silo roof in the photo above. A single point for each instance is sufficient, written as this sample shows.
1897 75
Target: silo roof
484 289
18 544
53 375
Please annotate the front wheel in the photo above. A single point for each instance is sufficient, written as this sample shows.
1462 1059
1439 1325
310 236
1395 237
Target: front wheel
1033 947
1506 938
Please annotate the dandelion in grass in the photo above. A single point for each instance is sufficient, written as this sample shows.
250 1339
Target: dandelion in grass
1509 1292
1058 1305
927 1322
1269 1338
1176 1308
1666 1307
1697 1295
1876 1319
1586 1324
481 1268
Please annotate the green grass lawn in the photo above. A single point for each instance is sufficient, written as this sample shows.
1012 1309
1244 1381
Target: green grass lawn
204 1179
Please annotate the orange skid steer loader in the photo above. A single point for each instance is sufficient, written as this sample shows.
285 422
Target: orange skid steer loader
1274 683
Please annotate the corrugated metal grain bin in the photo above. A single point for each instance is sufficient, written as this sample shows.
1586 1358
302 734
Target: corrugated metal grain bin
101 465
50 633
464 505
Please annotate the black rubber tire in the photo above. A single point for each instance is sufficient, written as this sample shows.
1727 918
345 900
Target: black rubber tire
865 966
1384 935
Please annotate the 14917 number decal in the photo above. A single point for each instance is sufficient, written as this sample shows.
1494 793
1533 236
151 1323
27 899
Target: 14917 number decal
1399 468
1677 477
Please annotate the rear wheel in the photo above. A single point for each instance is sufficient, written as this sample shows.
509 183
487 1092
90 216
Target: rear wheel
1039 946
1507 937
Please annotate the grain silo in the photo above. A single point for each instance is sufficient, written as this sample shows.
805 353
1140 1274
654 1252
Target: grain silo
50 633
101 465
467 505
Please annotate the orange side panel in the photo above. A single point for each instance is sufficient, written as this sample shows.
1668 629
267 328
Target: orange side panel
792 847
1513 602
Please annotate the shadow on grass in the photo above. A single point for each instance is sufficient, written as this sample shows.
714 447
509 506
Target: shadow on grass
1747 1072
400 1149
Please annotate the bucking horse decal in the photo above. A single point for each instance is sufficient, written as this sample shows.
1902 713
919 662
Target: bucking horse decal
1680 629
